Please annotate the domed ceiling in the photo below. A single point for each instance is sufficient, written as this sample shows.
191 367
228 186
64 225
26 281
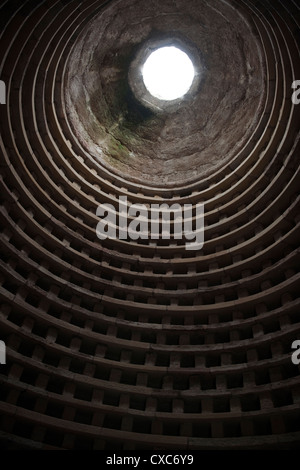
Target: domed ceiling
123 344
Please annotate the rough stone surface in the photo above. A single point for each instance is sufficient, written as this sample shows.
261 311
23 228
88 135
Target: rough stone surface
203 134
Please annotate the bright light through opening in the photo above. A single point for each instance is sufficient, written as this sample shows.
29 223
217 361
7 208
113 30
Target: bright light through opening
168 73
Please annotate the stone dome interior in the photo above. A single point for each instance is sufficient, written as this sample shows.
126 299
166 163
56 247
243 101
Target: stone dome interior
220 120
121 344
